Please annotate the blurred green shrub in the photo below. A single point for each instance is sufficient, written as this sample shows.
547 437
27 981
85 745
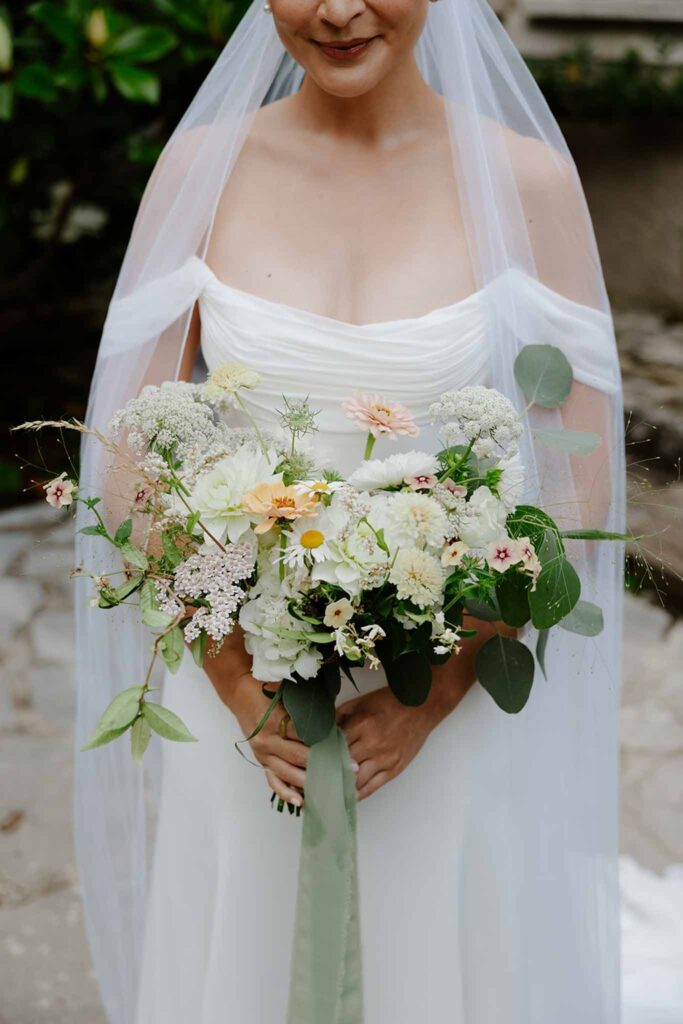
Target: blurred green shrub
81 123
580 85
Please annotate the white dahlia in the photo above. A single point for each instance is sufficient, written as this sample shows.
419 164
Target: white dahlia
414 520
376 474
417 576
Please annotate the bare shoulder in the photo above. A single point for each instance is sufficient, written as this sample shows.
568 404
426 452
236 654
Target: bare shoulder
540 169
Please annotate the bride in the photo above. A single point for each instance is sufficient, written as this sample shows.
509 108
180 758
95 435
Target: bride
367 195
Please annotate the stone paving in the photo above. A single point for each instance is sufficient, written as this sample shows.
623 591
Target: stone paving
45 975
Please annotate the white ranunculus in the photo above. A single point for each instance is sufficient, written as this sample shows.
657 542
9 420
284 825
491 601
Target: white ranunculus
218 494
375 474
511 482
485 520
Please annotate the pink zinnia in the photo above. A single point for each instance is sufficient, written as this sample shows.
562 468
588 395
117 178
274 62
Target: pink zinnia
501 554
60 492
379 416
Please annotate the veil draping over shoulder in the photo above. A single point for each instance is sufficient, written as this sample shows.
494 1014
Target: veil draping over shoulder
534 259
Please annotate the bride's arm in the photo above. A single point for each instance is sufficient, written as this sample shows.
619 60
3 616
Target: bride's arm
283 758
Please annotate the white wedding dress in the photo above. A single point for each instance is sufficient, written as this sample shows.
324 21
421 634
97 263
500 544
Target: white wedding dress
223 887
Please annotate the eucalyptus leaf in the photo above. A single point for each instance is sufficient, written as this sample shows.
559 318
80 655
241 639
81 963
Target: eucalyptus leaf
512 591
311 708
557 590
152 615
585 618
544 374
409 678
172 648
505 668
117 717
575 442
140 735
534 523
166 723
482 610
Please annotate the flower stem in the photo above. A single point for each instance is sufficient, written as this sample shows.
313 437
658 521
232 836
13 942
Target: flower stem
369 445
261 439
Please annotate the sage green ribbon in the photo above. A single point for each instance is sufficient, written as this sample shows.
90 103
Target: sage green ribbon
326 981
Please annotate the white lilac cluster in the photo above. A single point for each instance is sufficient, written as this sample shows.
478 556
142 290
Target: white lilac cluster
481 413
217 578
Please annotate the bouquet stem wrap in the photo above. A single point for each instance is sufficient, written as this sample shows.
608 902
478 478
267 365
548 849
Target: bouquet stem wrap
326 979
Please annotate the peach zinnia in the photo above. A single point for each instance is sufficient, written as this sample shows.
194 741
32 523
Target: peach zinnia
275 501
379 416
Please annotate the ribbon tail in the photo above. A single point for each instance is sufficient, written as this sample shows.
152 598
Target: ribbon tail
326 977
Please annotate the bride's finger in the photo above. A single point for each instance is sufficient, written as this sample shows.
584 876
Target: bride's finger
366 771
288 773
345 710
292 751
375 783
286 793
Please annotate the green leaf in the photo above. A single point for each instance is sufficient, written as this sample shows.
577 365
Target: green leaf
575 442
198 648
512 591
140 735
117 717
171 550
127 588
541 644
124 531
589 534
93 531
135 84
172 649
167 724
134 555
57 22
544 374
152 615
6 101
557 590
505 668
142 44
483 610
585 618
529 521
409 678
311 708
35 81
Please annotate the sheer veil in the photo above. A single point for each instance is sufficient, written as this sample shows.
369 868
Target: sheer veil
535 262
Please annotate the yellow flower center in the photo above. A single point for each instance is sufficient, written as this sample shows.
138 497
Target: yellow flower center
311 539
284 503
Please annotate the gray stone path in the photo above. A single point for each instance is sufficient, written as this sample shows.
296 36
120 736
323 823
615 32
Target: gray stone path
45 975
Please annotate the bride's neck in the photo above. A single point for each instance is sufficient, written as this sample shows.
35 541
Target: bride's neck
401 103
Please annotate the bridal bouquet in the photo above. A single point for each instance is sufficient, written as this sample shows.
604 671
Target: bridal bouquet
231 527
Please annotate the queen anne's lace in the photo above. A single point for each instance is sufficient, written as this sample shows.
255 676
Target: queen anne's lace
478 412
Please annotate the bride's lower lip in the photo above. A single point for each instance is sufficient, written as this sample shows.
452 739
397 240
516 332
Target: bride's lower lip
347 52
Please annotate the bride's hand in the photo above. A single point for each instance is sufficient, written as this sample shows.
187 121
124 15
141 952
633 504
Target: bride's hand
282 756
384 735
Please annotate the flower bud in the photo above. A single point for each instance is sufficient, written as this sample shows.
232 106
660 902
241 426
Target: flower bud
97 30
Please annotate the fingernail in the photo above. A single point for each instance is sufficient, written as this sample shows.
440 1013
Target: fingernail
356 767
296 800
